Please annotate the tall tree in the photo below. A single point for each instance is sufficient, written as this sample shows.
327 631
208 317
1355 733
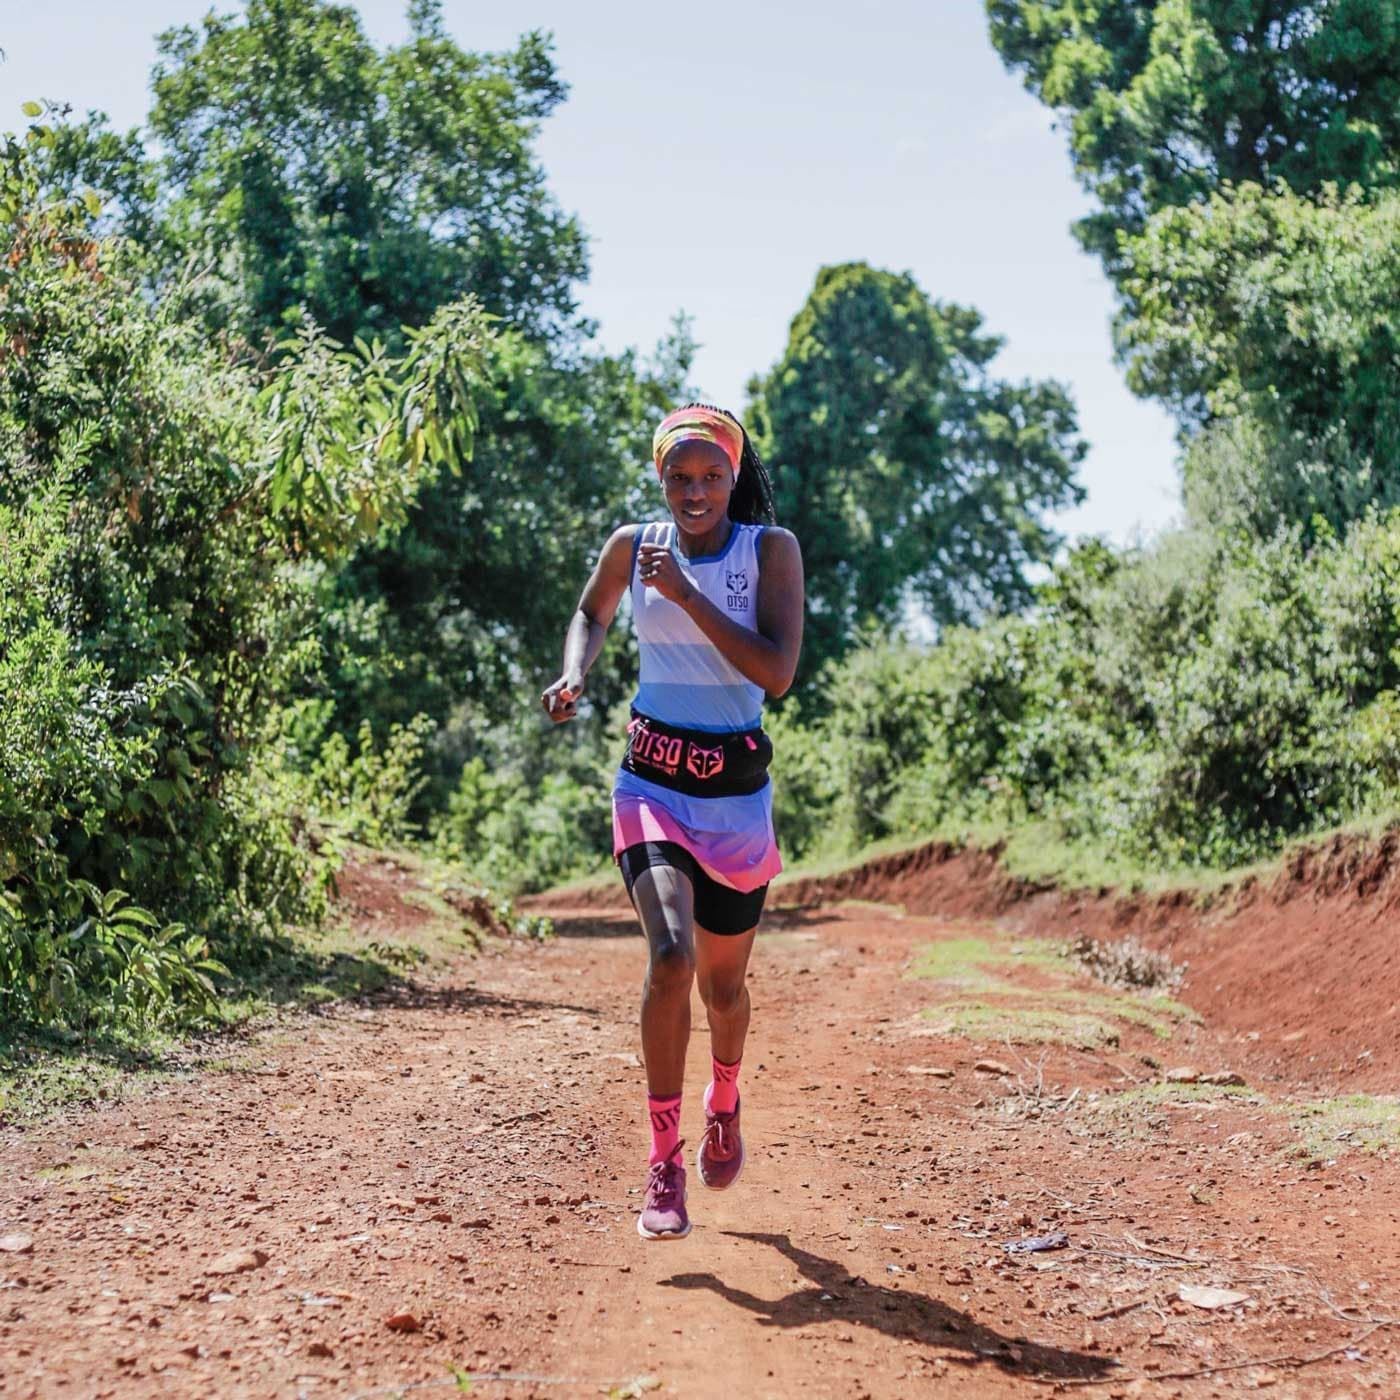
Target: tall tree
908 471
1272 318
316 175
1166 101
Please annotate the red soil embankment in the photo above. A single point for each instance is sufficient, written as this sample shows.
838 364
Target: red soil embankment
1306 964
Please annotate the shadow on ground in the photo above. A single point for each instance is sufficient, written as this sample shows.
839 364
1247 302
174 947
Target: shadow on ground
898 1313
407 995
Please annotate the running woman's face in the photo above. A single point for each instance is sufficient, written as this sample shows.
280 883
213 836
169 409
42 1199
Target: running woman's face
698 482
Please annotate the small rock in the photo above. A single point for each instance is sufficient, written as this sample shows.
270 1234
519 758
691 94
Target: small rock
238 1261
1210 1297
933 1071
1226 1078
1184 1075
16 1244
402 1322
319 1349
991 1067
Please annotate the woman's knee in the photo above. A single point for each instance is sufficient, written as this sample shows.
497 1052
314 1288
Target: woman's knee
672 966
724 994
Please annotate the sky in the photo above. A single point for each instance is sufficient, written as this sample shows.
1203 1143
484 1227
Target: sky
718 157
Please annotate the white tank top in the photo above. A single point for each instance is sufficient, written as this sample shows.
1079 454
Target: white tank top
685 680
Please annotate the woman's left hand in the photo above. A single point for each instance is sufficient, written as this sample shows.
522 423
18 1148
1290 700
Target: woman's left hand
658 569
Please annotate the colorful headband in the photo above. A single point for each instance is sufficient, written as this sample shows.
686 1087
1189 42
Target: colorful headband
698 424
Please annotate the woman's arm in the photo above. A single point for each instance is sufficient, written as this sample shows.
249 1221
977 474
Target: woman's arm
767 657
588 628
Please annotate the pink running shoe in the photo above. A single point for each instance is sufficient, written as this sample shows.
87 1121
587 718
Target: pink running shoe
663 1214
721 1155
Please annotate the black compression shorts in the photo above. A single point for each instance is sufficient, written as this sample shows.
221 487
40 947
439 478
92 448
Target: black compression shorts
718 908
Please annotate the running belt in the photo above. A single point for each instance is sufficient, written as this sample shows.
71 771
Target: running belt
696 762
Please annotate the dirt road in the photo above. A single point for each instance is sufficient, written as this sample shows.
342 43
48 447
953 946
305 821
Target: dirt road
446 1178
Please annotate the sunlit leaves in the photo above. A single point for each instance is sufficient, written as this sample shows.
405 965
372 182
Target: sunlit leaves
1165 102
351 429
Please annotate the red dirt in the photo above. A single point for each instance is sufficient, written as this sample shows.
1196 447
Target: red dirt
1307 963
467 1150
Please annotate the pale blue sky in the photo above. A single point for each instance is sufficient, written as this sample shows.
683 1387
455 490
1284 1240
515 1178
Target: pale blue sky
718 156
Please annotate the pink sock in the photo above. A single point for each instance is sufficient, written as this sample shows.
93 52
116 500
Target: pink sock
723 1094
665 1115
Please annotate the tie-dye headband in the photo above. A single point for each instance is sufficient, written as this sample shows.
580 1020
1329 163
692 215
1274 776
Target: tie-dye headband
697 423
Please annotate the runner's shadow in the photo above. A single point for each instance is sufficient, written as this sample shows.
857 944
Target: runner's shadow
899 1313
408 995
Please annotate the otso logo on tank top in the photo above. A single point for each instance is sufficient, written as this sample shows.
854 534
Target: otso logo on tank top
737 582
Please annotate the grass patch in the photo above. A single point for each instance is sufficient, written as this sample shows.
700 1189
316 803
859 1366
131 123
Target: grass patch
971 961
975 964
1154 1095
1022 1025
1160 1015
46 1071
1356 1123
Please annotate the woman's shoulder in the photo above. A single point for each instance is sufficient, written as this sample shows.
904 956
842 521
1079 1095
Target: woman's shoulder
776 543
622 545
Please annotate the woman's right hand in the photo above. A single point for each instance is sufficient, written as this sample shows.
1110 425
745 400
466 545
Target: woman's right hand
560 701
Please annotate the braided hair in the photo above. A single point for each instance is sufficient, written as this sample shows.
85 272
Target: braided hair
752 500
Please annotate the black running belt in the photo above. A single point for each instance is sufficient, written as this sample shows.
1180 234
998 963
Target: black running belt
695 762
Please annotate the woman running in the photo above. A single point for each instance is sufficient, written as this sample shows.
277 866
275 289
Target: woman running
717 603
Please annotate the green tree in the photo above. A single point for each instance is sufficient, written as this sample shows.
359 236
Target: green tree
909 473
1273 316
1167 101
314 175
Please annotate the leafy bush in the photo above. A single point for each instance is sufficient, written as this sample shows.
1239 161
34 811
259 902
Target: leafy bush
1195 703
519 836
163 510
117 967
368 795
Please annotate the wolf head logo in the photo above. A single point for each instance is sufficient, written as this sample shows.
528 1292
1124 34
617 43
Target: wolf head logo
704 763
736 580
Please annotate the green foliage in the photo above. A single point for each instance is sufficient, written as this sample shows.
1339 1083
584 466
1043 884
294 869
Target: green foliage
1167 102
118 966
1274 315
908 472
526 833
452 616
163 510
316 176
1195 704
369 794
